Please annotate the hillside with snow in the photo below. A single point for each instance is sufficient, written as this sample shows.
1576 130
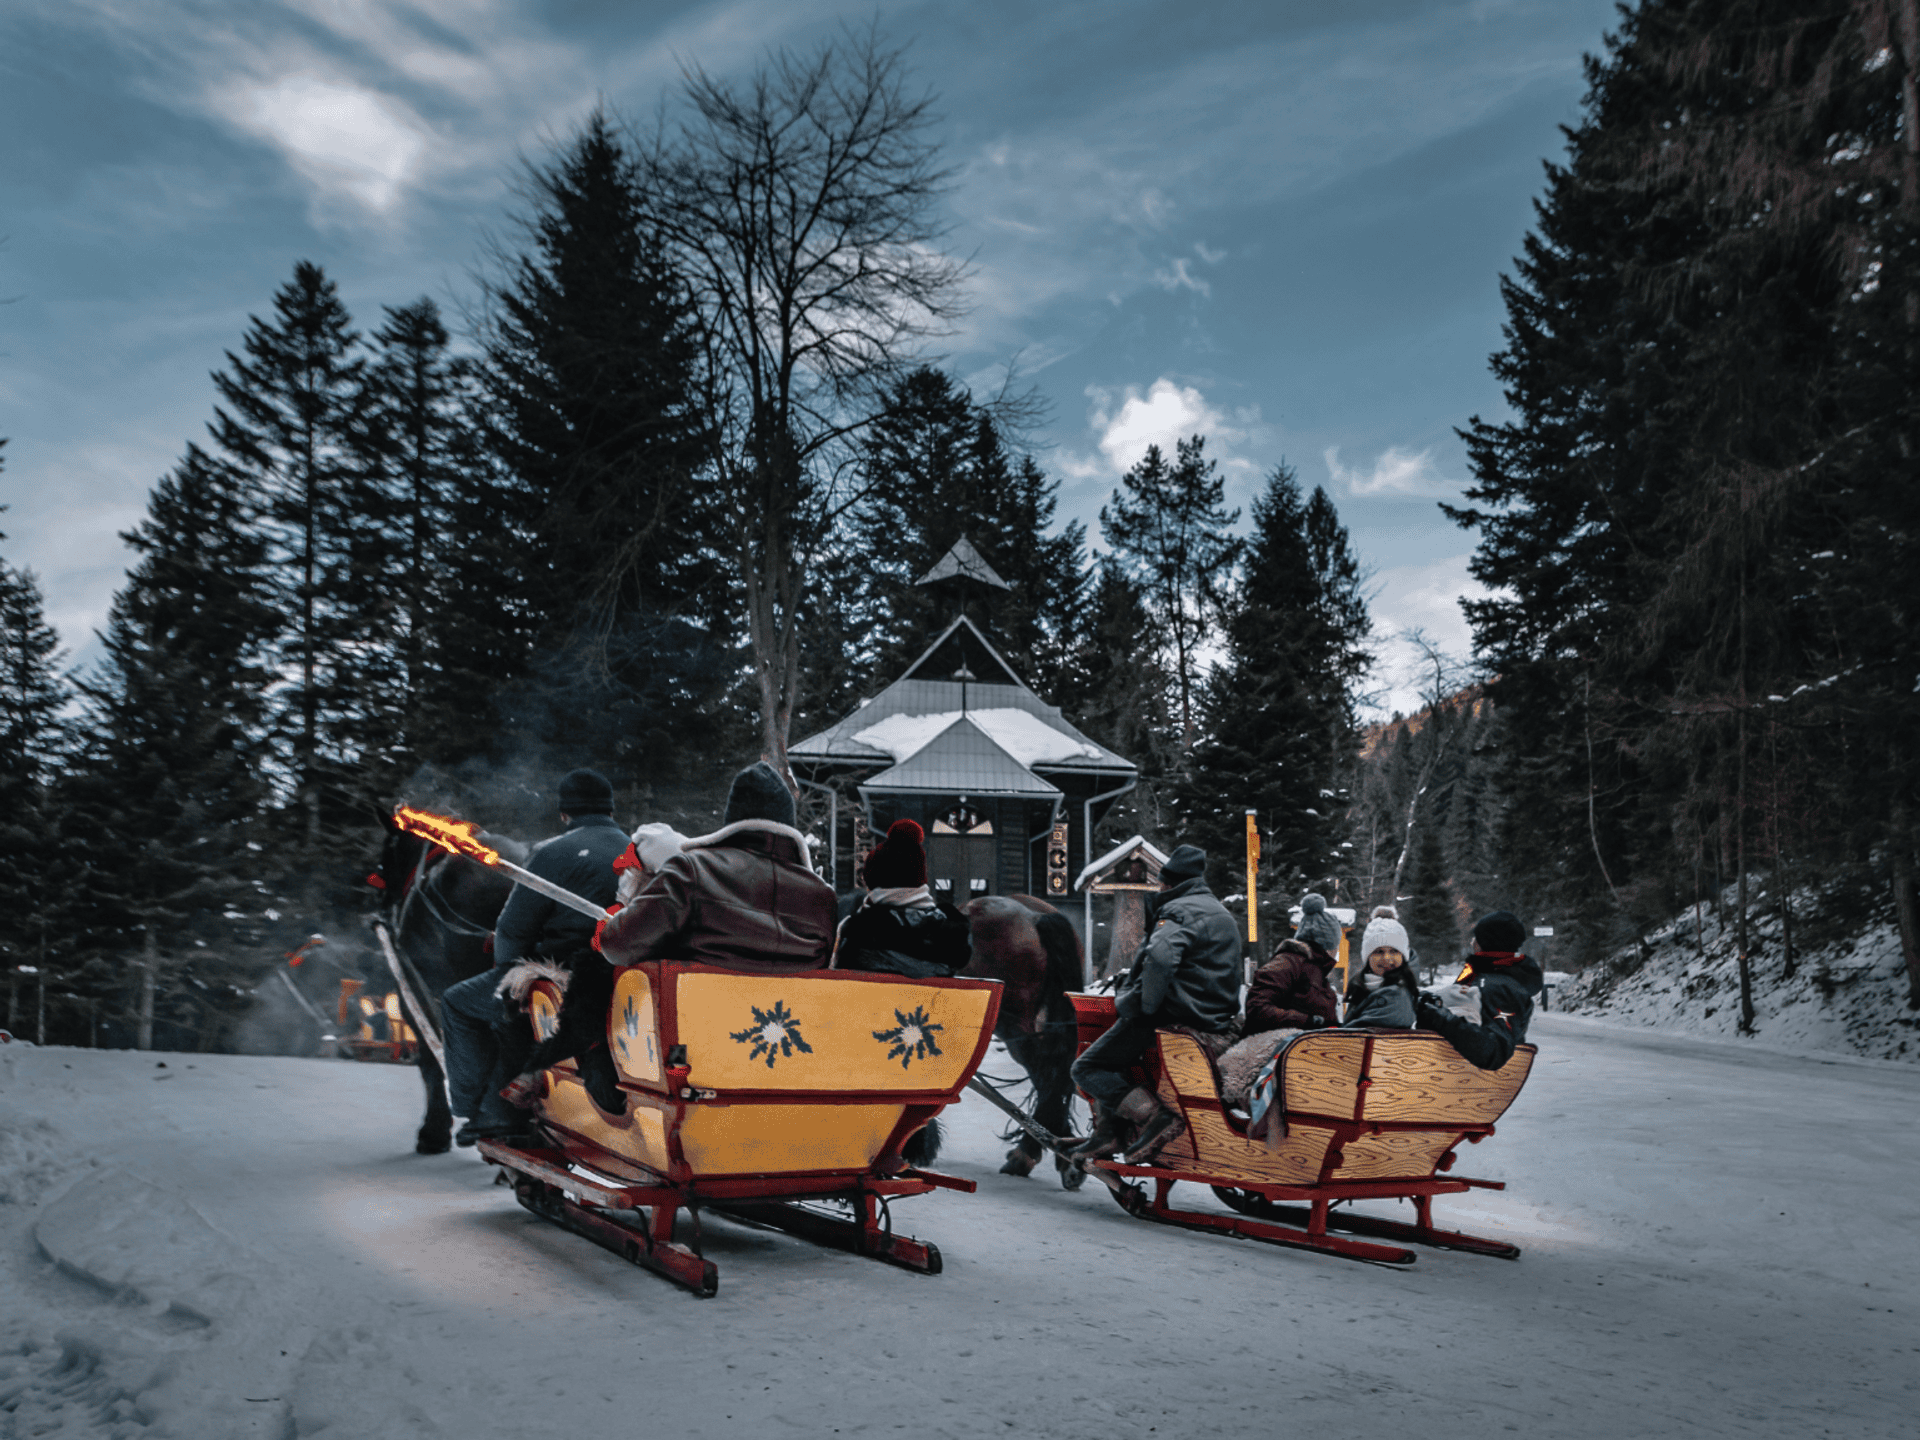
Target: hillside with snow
1847 994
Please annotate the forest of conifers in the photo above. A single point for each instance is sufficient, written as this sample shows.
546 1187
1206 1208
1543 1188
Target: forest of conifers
656 499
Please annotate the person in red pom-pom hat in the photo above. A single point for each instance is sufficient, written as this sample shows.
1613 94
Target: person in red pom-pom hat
899 928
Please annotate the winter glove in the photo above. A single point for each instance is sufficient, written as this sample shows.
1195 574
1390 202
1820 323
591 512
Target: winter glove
1316 1022
600 928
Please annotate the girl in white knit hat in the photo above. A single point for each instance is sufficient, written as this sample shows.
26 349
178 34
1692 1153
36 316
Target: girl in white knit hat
1380 993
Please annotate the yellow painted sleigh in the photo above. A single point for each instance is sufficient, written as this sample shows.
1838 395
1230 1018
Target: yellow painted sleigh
752 1094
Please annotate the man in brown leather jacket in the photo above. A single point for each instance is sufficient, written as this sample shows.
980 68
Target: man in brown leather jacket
743 897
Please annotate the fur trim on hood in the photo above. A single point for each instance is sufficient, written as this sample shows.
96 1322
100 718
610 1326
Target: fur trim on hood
739 827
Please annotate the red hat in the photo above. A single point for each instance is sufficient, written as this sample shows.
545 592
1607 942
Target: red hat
899 861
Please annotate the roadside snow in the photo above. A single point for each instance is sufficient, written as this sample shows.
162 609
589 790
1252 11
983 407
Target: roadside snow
1846 997
1024 736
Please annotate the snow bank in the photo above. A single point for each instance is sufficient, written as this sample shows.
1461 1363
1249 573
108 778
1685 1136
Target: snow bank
1024 736
1846 996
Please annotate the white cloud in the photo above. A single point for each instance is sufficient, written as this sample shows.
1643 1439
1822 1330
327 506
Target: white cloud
1178 277
342 137
1395 472
1125 424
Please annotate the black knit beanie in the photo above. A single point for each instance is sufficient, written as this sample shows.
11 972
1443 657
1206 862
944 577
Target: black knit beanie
586 792
759 793
1500 933
1185 863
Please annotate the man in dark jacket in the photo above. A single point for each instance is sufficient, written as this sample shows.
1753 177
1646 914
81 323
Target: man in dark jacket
1291 991
487 1042
1186 973
1507 981
743 897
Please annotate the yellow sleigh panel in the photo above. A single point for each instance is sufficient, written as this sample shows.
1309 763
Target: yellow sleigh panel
784 1139
825 1031
633 1029
640 1135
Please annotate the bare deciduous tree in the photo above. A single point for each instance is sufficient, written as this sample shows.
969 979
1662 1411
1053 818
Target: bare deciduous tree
802 208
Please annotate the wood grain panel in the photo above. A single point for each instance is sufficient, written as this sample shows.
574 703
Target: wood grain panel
1422 1077
1188 1067
1396 1155
1321 1074
1220 1152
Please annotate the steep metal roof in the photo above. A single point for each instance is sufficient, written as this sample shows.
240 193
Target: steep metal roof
923 694
962 760
963 562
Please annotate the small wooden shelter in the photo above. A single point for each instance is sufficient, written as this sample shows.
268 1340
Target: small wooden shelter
1129 873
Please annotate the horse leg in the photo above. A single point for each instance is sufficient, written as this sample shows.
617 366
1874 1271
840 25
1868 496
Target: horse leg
436 1131
1026 1052
1052 1074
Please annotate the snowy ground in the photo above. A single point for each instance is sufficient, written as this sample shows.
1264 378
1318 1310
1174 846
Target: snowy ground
1845 997
1718 1241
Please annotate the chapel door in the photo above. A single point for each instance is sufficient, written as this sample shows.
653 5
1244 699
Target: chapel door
961 856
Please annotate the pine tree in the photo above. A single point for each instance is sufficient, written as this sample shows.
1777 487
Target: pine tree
935 470
450 557
291 426
1168 526
168 790
592 378
32 738
1278 711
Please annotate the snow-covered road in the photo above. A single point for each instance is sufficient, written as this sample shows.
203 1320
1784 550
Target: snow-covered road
1717 1243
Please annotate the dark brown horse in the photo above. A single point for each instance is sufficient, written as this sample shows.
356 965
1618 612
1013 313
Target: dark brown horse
440 910
1031 948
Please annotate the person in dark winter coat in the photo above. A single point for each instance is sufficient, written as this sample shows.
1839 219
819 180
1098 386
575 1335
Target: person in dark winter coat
1507 981
743 897
486 1039
1292 990
898 928
1317 924
1381 992
1186 973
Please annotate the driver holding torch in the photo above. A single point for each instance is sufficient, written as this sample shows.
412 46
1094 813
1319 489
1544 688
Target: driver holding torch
486 1041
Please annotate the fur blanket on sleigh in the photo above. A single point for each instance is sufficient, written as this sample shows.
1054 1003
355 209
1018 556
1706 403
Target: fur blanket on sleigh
1239 1066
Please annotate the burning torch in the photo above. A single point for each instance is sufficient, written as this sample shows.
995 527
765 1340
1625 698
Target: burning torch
460 837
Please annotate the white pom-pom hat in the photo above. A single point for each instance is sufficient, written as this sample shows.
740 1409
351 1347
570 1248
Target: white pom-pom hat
1384 931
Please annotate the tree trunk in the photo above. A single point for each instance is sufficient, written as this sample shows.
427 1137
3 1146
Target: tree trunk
149 963
1740 798
1905 909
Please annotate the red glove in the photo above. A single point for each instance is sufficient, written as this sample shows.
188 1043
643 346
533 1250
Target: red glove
600 929
628 860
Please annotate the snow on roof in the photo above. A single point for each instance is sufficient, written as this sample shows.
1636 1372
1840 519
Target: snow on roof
1117 854
962 759
1024 736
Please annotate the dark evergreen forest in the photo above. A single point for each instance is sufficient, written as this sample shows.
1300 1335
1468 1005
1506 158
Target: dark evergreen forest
655 498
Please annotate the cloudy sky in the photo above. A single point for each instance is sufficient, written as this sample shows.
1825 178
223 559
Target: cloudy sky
1278 223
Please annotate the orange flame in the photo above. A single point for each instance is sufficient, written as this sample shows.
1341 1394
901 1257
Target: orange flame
458 836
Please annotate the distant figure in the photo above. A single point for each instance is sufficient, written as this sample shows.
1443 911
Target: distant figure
743 897
1187 974
898 928
1507 981
486 1040
1381 991
1317 924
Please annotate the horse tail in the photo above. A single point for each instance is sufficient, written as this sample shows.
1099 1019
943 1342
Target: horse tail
1062 948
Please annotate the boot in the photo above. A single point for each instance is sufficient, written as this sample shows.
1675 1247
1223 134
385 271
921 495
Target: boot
1158 1125
1102 1142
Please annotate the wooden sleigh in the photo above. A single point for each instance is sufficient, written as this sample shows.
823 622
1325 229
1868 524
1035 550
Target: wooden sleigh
752 1095
1369 1116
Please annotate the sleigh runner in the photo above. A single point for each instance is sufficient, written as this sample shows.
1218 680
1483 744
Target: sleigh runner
749 1094
1366 1115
